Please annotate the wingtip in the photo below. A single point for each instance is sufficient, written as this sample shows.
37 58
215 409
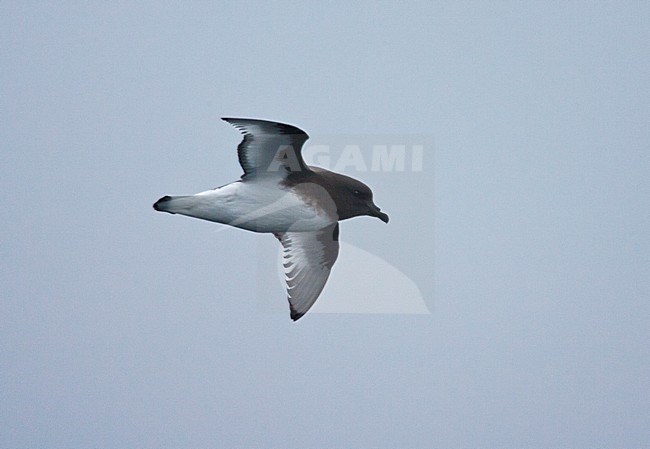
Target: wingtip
295 315
229 120
233 119
282 128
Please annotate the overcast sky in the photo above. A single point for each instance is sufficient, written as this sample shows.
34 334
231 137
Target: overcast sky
513 277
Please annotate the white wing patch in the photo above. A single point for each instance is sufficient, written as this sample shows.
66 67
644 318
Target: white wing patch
307 258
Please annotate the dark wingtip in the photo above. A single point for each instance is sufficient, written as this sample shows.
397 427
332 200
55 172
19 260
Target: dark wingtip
295 316
282 128
158 205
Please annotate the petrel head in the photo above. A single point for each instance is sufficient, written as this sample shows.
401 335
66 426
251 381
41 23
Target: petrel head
354 198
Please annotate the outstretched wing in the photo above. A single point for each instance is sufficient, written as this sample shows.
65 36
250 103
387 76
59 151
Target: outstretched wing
308 258
269 148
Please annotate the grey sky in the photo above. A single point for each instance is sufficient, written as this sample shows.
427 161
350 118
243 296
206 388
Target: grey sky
526 232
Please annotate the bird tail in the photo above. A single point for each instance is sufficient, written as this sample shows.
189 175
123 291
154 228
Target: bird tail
170 204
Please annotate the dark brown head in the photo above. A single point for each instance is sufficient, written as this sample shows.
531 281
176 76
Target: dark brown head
352 197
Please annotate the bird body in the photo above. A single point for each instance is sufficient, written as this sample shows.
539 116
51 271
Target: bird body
260 206
279 194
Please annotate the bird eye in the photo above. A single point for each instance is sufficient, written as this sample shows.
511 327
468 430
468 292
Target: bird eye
356 193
